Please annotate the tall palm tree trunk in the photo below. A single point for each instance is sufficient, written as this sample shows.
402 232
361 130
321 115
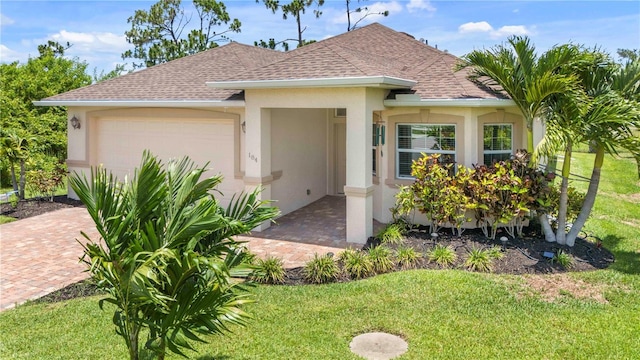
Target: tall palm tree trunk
529 139
589 199
549 236
23 180
564 197
14 181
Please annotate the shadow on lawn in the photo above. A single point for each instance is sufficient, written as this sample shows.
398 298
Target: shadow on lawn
210 357
626 261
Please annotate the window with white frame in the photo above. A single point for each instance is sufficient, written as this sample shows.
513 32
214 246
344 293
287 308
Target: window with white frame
497 143
415 139
374 144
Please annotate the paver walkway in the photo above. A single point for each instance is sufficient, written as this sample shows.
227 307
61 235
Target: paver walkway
39 255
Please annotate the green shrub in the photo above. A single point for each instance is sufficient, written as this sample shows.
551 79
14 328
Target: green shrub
407 257
321 269
13 200
564 259
269 271
357 264
45 182
479 260
442 255
496 252
345 254
381 260
173 246
391 234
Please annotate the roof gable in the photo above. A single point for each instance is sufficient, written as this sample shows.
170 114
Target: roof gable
370 51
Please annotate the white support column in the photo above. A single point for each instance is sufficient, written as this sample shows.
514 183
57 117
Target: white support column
258 153
359 188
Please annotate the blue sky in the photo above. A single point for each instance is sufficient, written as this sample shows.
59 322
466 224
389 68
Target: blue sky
96 28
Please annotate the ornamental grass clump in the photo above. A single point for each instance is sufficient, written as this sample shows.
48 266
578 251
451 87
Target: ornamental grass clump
564 259
321 269
357 264
496 252
381 260
442 255
392 234
269 271
407 257
479 260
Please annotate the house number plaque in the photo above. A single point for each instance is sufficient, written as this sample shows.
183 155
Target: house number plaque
253 157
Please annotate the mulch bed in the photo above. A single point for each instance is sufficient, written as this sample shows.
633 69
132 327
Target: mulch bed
33 207
521 255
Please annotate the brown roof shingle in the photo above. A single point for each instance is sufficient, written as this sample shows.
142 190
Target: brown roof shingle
372 50
181 79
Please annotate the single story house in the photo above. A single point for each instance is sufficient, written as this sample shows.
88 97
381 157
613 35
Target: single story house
343 116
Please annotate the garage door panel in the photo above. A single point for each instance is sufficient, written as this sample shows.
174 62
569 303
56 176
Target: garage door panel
121 142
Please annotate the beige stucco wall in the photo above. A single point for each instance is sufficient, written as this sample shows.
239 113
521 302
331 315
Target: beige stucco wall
291 133
468 121
299 151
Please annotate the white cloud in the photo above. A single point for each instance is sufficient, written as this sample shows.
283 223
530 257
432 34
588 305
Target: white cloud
99 49
393 7
415 5
91 42
511 30
7 55
5 20
485 27
469 27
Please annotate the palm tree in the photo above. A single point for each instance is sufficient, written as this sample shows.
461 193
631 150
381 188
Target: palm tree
527 78
166 255
618 113
601 116
16 150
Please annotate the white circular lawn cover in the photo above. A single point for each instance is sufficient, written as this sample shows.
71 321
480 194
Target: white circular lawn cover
378 346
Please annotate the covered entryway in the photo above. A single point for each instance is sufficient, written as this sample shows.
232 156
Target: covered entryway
264 102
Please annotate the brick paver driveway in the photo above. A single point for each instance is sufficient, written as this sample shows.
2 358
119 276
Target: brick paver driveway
39 255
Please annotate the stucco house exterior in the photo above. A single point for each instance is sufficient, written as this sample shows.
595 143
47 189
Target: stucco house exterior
344 116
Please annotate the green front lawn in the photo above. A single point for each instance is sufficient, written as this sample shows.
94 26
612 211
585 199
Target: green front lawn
450 314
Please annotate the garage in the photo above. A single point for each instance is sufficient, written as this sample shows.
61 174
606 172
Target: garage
120 142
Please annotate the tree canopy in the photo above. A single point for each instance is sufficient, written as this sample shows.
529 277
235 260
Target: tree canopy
528 78
295 9
46 75
166 32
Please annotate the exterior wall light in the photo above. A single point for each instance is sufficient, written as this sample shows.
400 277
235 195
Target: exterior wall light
244 127
75 122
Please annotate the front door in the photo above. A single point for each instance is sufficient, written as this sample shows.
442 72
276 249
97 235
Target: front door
340 133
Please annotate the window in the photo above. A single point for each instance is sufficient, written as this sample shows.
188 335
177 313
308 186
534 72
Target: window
415 139
341 112
375 141
498 142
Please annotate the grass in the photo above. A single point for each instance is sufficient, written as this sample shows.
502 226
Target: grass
443 314
6 219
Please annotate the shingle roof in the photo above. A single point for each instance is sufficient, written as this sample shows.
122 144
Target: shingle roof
181 79
373 50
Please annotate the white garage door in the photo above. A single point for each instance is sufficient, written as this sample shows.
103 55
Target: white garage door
121 142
